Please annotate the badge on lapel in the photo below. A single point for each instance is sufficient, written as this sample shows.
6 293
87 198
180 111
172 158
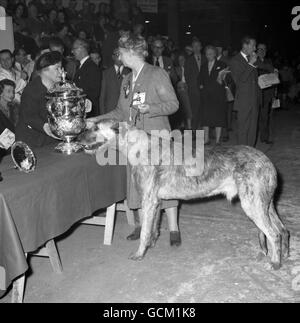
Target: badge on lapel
126 89
139 98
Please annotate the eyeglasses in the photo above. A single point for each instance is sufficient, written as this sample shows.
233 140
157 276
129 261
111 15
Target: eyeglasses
158 47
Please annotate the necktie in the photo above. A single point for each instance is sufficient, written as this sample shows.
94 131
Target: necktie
248 58
183 76
157 62
119 72
199 62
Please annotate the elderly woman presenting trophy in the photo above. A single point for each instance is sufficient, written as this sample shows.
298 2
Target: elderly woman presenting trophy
150 87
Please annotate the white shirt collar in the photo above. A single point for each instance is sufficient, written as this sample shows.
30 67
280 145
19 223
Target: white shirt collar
212 63
245 56
84 60
121 68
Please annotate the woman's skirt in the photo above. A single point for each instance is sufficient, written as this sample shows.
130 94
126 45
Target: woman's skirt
134 197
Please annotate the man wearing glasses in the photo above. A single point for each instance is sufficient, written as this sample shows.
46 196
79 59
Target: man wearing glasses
159 60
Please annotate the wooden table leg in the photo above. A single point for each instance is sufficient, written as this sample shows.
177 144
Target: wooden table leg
109 224
54 257
18 289
123 207
129 215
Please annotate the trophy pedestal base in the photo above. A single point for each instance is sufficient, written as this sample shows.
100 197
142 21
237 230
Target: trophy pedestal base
69 148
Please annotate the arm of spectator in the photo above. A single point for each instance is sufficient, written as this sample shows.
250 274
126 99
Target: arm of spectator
20 86
187 73
200 79
240 72
116 114
173 75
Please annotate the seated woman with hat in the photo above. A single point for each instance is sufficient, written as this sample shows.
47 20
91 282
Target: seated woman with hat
33 113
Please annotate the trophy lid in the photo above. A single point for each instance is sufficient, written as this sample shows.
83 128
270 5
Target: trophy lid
65 90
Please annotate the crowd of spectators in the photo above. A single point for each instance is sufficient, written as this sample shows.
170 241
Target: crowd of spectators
95 30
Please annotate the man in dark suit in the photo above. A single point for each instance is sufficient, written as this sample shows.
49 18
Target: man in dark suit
158 59
245 75
192 69
111 84
69 65
87 76
265 66
230 84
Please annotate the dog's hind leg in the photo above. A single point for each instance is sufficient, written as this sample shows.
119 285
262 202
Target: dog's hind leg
263 242
285 235
257 211
149 208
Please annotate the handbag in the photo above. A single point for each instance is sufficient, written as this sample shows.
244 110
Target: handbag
276 101
229 95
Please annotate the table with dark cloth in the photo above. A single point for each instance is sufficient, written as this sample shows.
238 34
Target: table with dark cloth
37 207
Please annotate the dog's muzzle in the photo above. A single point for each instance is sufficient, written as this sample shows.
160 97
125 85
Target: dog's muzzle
98 135
88 140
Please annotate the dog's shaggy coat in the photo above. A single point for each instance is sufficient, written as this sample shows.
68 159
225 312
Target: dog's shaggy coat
236 171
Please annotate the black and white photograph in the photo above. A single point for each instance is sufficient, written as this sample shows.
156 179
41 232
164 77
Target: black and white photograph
149 154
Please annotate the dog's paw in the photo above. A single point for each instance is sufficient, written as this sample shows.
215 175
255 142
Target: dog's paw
153 240
136 257
152 243
275 266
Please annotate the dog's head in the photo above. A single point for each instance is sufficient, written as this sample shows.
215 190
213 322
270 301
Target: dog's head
105 132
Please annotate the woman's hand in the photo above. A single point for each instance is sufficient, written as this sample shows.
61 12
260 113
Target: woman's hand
48 131
24 76
222 75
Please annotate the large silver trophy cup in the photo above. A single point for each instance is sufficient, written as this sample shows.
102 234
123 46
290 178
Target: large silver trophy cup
66 115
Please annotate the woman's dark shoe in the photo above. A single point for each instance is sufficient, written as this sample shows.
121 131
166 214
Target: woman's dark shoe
135 235
175 239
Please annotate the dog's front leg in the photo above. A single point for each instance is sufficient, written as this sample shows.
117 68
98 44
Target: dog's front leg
149 209
155 229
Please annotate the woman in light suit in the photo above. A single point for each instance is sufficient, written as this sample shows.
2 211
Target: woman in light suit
158 101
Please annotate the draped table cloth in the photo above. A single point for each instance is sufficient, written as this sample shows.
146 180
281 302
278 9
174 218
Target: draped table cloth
38 207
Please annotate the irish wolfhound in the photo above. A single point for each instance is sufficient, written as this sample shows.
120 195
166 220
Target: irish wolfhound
233 171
